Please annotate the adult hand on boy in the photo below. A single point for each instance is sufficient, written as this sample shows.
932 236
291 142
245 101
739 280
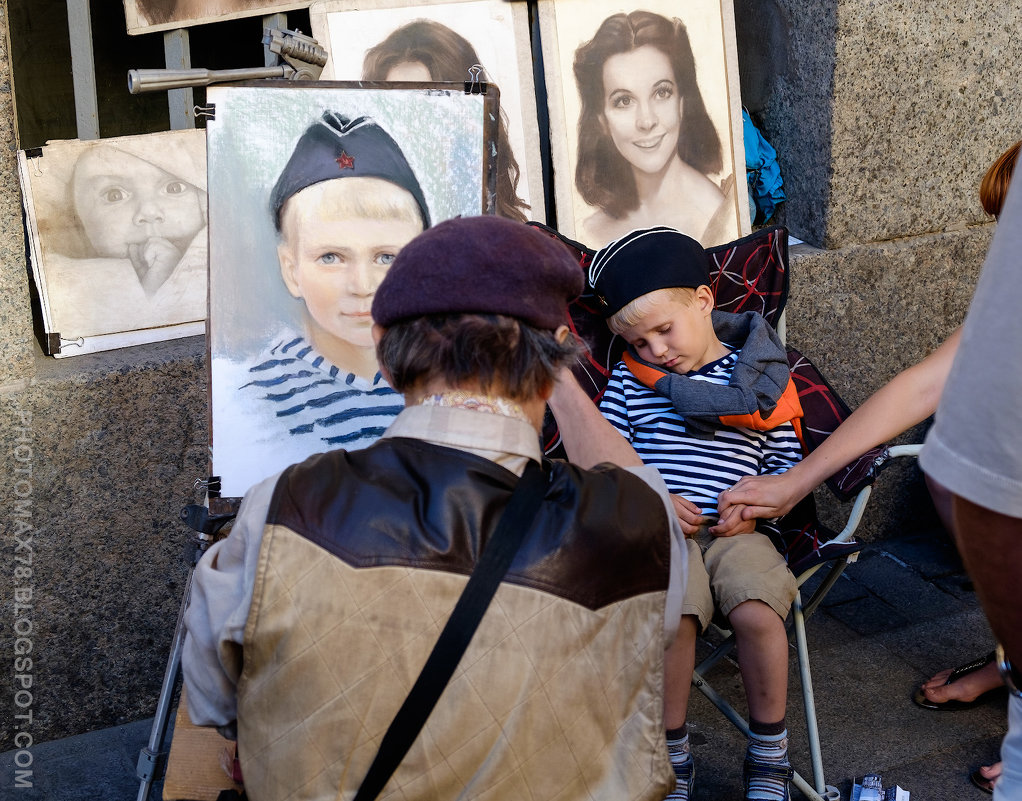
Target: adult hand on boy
731 523
763 496
689 515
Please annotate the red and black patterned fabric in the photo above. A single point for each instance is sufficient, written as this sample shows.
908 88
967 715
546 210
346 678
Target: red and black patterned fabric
824 411
749 274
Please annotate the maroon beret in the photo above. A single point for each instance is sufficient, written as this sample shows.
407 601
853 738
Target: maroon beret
487 265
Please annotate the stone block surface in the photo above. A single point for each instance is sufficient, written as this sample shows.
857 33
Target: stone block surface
863 314
886 115
15 314
99 457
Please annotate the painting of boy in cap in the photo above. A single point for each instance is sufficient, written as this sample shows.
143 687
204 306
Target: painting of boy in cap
342 206
345 204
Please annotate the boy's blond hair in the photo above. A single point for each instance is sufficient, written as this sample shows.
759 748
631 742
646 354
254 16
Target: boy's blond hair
362 197
634 312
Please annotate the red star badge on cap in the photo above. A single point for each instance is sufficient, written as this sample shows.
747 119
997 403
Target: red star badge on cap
346 162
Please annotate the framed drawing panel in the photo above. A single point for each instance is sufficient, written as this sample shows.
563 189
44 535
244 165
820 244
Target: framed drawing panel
314 189
645 118
443 40
117 239
146 16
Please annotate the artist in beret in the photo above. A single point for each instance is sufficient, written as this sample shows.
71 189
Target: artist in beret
310 623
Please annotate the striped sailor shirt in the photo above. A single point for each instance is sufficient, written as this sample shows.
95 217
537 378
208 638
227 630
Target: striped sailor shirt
696 469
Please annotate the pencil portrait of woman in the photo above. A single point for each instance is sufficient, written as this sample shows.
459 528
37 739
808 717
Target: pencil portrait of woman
646 144
427 50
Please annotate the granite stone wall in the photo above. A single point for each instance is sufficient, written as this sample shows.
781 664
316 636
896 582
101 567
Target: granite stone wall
99 454
864 313
885 117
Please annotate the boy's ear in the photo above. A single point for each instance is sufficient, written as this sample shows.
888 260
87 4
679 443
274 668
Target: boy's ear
288 269
704 299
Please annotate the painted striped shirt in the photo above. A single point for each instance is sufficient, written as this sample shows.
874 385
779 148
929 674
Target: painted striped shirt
696 469
313 399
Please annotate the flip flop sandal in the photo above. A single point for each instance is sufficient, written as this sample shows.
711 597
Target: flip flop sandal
954 705
982 782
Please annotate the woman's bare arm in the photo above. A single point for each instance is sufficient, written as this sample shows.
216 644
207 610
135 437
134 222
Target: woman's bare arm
908 398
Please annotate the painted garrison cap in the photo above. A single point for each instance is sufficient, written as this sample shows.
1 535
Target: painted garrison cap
643 261
338 147
481 265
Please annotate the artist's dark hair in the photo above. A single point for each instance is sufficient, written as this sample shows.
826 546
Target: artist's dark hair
994 187
447 56
502 354
602 175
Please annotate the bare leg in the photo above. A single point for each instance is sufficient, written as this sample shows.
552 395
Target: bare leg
679 662
762 658
982 534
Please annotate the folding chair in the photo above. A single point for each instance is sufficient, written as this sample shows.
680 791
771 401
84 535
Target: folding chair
751 274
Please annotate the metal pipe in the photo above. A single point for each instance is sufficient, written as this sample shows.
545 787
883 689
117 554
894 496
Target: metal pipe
161 80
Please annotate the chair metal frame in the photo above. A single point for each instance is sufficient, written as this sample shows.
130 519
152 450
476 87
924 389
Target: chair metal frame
752 273
819 790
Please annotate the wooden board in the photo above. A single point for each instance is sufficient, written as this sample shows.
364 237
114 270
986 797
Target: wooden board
193 768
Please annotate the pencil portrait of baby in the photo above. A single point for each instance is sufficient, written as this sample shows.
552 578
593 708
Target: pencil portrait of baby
119 232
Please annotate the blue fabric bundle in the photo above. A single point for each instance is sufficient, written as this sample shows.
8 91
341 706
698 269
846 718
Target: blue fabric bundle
762 171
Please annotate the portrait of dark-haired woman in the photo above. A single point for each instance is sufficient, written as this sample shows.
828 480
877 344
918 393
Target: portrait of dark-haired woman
646 144
426 50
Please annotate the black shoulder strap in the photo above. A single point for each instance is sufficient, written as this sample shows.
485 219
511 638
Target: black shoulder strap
494 562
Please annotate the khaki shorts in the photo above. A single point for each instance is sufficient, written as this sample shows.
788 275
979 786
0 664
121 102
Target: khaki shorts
726 571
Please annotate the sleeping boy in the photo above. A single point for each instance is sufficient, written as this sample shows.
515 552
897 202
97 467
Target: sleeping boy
706 397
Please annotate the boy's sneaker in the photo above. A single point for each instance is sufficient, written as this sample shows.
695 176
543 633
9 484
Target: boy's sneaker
685 775
766 781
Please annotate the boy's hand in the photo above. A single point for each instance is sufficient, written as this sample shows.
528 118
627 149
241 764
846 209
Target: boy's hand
689 515
731 523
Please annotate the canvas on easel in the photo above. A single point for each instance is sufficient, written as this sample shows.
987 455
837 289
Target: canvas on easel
117 239
314 189
645 118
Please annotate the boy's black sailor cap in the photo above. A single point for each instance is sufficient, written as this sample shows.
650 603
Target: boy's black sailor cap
643 261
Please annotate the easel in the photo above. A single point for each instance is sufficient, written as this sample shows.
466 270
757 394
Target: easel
207 527
288 55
